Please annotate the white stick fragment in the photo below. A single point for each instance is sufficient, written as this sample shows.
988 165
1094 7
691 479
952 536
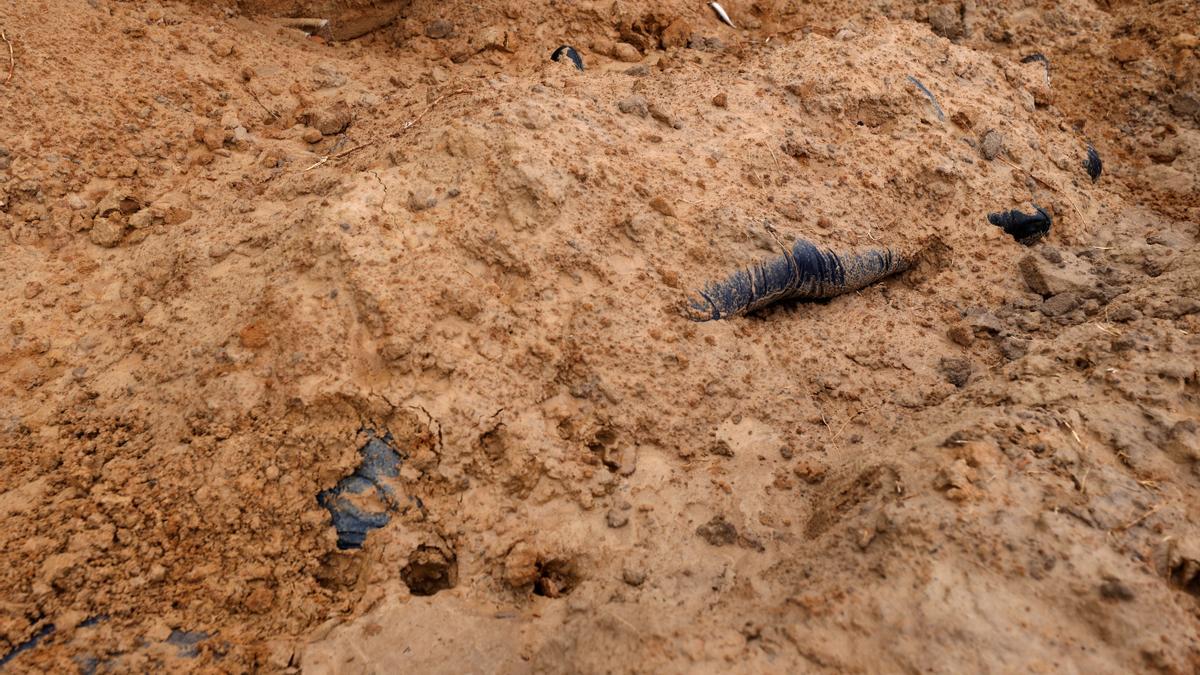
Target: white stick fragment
721 13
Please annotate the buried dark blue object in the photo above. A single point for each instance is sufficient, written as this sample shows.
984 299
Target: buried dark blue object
187 641
1026 228
803 271
32 642
941 115
43 633
570 53
1093 164
362 501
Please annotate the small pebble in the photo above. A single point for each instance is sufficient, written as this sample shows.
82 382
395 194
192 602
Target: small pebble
961 335
1115 589
617 518
420 200
992 144
663 206
718 532
957 371
623 51
634 105
438 29
810 471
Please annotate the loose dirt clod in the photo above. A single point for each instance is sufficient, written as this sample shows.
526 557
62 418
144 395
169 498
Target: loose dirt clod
718 532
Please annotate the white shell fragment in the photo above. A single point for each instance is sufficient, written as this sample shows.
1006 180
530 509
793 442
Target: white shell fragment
721 13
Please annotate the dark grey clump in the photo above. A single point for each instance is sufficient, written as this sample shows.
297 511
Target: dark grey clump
1093 163
929 95
1115 589
1026 228
1036 56
804 271
570 53
718 532
187 642
369 507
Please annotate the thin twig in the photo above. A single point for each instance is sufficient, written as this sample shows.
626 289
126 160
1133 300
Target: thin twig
354 149
12 61
407 125
413 122
1135 521
1075 435
253 95
318 163
848 421
340 155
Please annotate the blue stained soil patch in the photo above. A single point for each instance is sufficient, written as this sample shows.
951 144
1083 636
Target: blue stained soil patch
43 633
25 646
362 501
187 642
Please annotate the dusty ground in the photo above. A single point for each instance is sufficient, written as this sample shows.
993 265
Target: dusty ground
231 251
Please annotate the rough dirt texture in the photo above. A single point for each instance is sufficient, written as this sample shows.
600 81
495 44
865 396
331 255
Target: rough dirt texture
229 252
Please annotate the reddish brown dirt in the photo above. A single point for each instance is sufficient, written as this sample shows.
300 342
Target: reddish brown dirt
228 250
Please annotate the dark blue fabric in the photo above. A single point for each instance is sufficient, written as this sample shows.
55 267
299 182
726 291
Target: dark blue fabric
361 501
187 641
1093 163
570 53
1025 228
807 272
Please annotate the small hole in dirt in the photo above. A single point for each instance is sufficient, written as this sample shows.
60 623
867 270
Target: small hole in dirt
1186 575
556 578
430 570
604 438
492 444
602 445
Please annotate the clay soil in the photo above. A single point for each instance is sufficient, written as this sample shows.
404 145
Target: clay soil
230 252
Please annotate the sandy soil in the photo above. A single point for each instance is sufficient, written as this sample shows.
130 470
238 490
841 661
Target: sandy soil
231 252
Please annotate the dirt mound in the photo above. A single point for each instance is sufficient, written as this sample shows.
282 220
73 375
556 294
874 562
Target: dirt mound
371 354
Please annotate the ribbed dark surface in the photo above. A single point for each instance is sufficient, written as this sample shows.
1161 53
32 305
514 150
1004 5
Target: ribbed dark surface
804 272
